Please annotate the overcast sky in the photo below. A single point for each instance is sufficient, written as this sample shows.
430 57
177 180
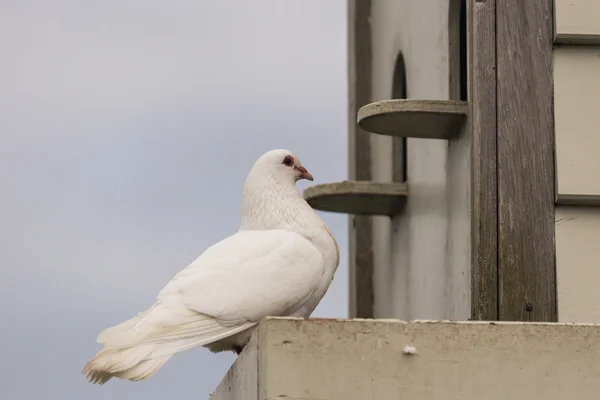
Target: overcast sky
127 129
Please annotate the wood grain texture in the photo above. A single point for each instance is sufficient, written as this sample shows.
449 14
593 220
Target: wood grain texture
526 253
484 190
361 294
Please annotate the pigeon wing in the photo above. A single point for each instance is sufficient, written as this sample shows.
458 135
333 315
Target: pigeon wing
229 288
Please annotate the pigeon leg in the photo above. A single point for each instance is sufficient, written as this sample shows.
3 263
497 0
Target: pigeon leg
238 349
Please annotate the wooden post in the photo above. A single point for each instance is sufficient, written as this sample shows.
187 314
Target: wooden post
359 157
481 17
525 123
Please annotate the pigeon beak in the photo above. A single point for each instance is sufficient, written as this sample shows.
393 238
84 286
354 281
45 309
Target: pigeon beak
304 173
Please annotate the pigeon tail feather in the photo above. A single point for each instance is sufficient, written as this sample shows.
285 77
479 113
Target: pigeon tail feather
131 363
130 355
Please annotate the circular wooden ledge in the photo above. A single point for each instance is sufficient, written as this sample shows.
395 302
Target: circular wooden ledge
358 197
423 119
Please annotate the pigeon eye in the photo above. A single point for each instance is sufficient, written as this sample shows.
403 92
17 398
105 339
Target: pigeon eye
288 161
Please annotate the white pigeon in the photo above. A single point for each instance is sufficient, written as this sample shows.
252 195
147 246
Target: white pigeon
280 263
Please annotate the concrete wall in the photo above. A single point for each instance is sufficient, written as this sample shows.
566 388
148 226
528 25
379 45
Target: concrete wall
422 257
297 359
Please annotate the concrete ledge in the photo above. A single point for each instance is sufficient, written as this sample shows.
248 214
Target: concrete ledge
423 119
321 359
358 197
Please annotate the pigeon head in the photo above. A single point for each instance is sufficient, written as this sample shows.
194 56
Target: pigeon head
282 164
270 199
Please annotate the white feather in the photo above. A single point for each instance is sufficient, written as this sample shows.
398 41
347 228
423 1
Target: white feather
280 263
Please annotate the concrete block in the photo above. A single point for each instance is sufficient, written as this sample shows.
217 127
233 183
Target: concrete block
298 359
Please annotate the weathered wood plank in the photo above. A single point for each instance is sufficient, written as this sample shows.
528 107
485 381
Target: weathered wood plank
484 189
359 156
526 254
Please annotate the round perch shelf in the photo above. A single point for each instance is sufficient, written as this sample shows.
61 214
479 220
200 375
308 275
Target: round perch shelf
423 119
358 197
